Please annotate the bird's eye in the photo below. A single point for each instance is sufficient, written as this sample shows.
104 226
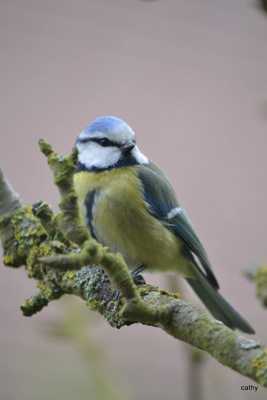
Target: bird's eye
104 142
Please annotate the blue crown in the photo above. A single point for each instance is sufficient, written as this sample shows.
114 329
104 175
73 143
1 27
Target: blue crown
107 125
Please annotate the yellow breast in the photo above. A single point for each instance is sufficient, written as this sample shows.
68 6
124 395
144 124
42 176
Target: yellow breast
122 220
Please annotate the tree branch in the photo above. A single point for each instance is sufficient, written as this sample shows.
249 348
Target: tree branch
58 252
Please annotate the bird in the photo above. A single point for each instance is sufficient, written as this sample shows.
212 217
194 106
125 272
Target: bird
129 205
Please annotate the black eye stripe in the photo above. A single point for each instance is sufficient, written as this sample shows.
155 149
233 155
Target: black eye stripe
104 142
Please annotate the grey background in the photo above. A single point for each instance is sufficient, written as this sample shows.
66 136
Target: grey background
190 78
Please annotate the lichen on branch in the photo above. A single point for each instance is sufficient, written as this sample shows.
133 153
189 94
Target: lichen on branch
59 253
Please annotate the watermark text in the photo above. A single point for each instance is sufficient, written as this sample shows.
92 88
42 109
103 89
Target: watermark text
249 388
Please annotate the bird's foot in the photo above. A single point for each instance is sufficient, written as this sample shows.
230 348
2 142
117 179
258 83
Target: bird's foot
138 280
137 277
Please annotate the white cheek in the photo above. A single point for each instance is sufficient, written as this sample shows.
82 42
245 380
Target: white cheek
140 157
93 155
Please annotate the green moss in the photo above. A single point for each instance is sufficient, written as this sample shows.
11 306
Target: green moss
8 259
176 295
46 291
93 304
259 366
33 267
33 305
45 147
43 212
21 231
49 290
28 230
69 275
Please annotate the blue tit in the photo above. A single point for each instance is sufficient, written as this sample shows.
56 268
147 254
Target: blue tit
129 205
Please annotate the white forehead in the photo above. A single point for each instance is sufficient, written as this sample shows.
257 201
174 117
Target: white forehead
111 127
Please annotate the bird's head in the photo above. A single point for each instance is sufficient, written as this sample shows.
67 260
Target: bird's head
108 142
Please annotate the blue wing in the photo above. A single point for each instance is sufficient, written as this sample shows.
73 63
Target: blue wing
162 202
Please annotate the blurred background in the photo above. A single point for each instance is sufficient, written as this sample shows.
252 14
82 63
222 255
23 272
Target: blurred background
190 78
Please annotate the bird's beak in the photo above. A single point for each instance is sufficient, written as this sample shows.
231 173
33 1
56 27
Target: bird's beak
127 147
